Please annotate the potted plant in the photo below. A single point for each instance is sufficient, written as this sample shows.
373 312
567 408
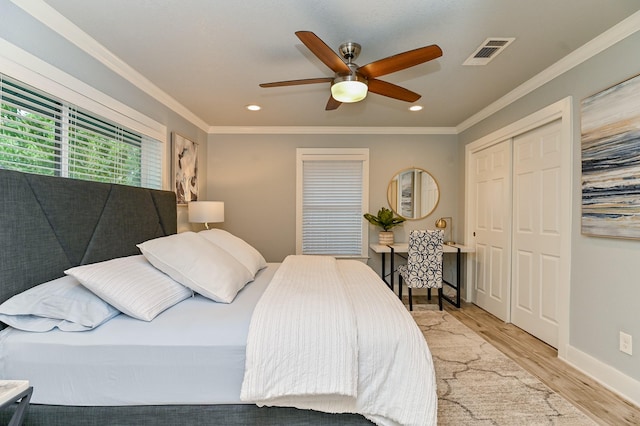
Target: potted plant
385 220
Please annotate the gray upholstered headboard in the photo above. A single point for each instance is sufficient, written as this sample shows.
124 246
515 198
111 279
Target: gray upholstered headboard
49 224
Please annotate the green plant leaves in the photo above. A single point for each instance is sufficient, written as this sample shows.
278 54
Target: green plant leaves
385 219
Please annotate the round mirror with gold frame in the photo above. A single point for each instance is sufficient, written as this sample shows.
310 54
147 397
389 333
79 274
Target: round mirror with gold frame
413 193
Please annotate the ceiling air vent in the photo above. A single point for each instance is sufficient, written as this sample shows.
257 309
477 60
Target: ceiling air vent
488 50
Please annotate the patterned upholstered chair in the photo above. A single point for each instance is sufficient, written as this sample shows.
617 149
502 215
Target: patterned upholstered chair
424 263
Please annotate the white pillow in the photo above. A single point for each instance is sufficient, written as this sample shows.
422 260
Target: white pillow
62 303
203 267
236 247
132 285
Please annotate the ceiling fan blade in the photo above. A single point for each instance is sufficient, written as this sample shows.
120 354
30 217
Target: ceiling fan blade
332 104
298 82
392 91
400 61
323 52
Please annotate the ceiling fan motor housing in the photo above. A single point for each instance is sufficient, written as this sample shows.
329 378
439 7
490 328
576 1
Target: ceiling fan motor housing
350 51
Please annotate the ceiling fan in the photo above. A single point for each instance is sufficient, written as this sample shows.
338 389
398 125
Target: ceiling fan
351 82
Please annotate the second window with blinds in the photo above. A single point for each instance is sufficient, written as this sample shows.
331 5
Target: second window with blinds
331 198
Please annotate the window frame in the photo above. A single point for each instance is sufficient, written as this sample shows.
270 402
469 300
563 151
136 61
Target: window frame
42 134
20 65
333 154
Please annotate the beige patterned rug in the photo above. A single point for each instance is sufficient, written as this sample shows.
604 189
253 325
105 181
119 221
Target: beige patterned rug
479 385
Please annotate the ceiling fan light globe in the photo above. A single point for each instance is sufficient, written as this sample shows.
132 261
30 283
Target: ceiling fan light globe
349 89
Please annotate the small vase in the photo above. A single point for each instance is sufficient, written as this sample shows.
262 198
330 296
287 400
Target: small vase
385 237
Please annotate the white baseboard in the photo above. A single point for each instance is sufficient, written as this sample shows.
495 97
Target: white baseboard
612 379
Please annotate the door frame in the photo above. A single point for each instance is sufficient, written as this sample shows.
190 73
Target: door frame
562 110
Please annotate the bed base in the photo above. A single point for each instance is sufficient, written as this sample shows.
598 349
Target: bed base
172 415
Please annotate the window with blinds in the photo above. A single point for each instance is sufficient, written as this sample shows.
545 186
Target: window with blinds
332 198
43 135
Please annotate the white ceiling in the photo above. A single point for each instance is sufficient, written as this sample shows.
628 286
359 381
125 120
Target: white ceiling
210 55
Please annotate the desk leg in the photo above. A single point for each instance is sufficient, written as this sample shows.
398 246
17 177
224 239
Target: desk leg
455 302
458 278
384 269
392 267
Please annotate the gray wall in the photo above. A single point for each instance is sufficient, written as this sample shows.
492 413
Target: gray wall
605 288
255 175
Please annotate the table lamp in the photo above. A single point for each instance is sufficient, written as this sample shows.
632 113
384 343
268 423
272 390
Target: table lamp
206 212
442 224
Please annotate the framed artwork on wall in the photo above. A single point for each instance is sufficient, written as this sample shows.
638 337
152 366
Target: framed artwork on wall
185 168
610 148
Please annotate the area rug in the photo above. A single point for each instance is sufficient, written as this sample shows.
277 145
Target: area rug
479 385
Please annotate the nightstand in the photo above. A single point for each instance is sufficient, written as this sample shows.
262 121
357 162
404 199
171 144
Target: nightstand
12 391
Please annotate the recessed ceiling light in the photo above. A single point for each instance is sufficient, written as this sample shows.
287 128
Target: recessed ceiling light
253 107
415 108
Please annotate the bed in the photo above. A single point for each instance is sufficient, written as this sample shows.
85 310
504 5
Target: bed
231 361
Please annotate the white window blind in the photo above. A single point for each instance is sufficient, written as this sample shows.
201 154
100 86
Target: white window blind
332 202
44 135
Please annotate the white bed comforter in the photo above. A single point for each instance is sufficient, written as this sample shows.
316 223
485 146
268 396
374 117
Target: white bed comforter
328 335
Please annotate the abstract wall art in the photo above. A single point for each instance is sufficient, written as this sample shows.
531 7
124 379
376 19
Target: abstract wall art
185 169
611 161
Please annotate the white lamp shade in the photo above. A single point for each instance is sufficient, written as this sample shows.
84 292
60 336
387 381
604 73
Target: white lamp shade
348 89
206 211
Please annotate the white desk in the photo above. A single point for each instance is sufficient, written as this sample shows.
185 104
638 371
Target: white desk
401 248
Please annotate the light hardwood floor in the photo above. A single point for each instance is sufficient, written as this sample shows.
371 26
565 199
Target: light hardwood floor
541 360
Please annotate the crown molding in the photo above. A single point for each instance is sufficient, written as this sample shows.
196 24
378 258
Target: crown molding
61 25
605 40
329 130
